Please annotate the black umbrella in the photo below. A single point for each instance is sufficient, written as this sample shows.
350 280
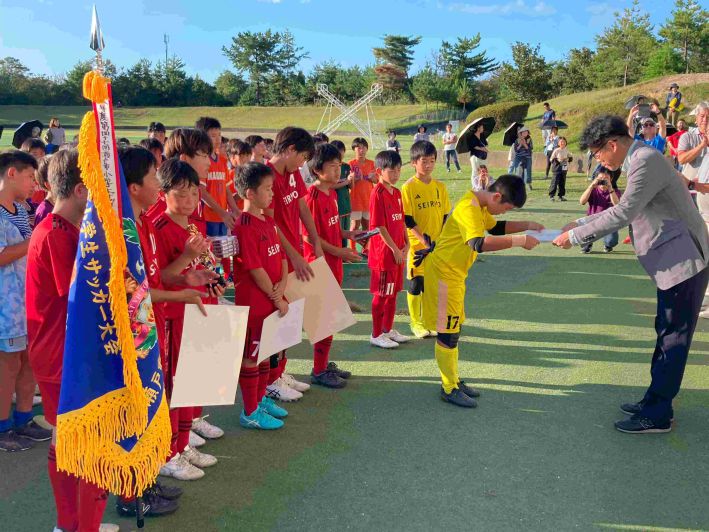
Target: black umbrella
633 101
558 124
511 133
463 144
24 132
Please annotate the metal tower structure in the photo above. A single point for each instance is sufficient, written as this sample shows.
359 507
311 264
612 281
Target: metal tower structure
349 114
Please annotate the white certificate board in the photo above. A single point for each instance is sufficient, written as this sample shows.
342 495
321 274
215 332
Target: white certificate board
326 309
279 333
210 356
546 235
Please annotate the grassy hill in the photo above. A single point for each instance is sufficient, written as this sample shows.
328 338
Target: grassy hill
575 109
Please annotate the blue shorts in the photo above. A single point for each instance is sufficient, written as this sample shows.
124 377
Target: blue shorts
13 345
217 229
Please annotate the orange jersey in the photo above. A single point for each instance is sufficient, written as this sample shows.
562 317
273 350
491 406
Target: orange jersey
362 188
217 187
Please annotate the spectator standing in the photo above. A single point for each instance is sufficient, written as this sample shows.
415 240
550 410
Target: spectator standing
449 141
549 114
392 143
600 196
560 159
55 135
523 148
478 153
673 141
551 143
673 103
156 130
649 132
421 133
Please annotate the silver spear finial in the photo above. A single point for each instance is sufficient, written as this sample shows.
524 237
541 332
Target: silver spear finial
96 42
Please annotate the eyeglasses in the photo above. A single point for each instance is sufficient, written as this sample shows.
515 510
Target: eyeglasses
648 125
595 153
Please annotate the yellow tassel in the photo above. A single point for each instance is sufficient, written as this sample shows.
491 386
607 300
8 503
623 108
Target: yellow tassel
86 86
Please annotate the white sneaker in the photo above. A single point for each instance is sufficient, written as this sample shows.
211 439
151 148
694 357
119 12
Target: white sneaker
280 391
383 341
205 429
704 313
197 458
196 440
296 385
178 467
397 337
108 527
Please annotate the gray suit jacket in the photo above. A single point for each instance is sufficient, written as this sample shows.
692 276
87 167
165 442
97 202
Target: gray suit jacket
669 235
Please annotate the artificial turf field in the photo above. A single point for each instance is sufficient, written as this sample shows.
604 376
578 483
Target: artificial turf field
554 339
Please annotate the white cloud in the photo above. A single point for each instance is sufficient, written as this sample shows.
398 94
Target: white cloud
599 9
515 7
269 1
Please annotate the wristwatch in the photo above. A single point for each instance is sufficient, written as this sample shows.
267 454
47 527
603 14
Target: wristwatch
690 186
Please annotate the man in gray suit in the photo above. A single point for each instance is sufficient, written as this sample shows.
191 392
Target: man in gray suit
671 243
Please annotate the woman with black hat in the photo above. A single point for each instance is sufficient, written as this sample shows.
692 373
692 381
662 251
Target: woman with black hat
673 103
421 133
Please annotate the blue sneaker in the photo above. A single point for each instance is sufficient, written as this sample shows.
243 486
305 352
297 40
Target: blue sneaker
269 406
259 419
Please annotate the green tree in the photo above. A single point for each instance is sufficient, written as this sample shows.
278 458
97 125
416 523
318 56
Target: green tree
425 86
261 54
464 93
663 61
394 60
529 76
688 32
460 61
230 87
625 48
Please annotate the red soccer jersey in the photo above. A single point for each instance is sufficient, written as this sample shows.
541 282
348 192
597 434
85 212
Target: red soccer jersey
149 246
287 190
323 207
154 212
50 262
385 210
259 247
171 238
216 186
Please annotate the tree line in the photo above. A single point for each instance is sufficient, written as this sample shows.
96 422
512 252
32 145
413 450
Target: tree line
265 69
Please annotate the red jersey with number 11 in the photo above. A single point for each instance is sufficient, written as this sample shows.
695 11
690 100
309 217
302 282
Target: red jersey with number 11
386 210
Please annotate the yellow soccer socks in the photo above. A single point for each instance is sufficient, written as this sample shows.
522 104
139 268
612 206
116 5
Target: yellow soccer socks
415 303
447 360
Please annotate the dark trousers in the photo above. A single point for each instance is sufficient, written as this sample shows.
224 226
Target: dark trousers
677 314
548 156
558 183
451 154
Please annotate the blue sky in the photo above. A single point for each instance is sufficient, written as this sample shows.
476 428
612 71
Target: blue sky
50 36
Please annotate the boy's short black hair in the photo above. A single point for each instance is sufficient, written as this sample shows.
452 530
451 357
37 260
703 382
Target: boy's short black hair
339 145
319 138
300 139
16 159
64 173
547 104
174 173
269 142
156 127
136 162
324 153
360 141
205 123
238 147
249 177
602 128
423 148
187 141
252 140
151 144
123 141
387 159
512 189
41 174
32 144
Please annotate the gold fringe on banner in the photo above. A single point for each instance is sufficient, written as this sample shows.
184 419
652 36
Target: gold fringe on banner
86 438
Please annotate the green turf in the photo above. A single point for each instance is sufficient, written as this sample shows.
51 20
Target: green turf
555 340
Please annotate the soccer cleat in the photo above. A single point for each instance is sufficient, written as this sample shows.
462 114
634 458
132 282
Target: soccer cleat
197 458
329 379
272 409
259 420
196 440
397 337
280 391
468 390
32 431
179 467
342 373
419 331
205 429
458 398
153 505
643 425
171 493
11 442
295 384
383 341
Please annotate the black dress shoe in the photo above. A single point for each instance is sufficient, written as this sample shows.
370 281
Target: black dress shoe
458 398
468 390
643 425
